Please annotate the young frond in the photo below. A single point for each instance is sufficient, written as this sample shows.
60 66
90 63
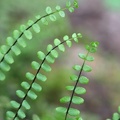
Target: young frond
74 99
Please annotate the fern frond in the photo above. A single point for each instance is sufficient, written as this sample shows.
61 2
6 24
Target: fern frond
17 40
35 117
32 86
74 98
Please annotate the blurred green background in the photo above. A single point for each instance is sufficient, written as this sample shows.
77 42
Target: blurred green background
96 20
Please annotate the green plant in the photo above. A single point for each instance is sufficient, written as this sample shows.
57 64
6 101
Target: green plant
75 89
30 87
32 84
17 39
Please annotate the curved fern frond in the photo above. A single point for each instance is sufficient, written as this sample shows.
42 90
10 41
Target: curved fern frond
31 86
73 113
14 42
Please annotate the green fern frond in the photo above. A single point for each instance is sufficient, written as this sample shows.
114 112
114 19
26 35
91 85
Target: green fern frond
74 98
17 40
32 86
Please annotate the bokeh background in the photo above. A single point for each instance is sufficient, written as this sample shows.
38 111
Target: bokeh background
96 20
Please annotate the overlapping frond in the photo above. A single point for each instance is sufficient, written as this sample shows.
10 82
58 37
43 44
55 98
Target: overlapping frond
14 43
31 86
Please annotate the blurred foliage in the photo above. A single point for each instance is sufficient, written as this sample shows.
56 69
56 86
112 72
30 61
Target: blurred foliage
92 116
113 4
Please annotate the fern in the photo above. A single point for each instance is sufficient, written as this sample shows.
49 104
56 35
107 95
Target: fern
17 40
32 84
73 113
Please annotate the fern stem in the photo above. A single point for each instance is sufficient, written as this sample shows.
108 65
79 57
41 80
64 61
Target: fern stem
23 33
63 9
73 92
36 76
